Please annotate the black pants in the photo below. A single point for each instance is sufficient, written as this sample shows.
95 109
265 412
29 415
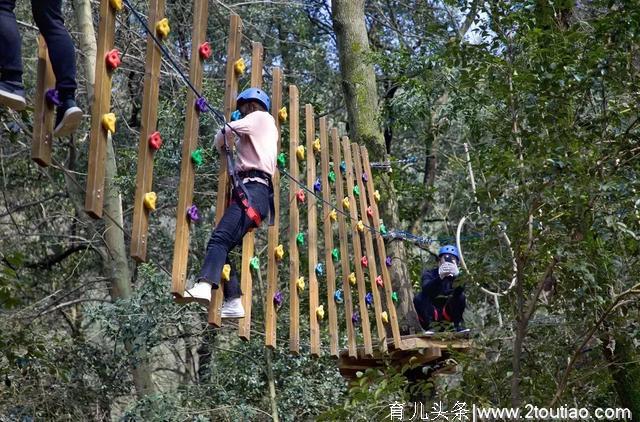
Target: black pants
48 17
432 309
228 234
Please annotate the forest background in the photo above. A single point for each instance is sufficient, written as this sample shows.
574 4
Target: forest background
544 94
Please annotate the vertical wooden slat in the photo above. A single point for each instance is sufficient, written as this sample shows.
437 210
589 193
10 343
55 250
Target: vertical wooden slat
246 283
312 214
344 246
189 144
148 121
382 254
294 222
357 250
373 272
43 116
230 94
101 105
273 231
328 238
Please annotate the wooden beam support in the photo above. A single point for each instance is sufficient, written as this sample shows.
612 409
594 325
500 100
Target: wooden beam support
294 222
43 116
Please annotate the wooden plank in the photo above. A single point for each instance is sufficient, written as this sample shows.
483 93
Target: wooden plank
101 104
274 230
344 245
43 116
357 250
312 218
189 144
328 238
294 223
246 283
371 258
148 121
382 253
230 95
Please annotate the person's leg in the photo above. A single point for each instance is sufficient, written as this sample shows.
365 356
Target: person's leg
232 288
424 309
48 17
11 88
455 309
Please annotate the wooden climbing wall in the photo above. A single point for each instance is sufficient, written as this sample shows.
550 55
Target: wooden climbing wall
43 116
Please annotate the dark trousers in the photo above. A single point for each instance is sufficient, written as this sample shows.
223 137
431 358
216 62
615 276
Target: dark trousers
434 309
228 234
48 17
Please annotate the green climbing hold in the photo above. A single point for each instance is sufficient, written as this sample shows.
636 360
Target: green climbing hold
335 253
282 160
300 239
197 157
332 176
394 296
255 263
383 229
356 190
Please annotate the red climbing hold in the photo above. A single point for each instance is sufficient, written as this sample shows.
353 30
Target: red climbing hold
113 59
369 212
379 281
300 196
155 140
205 50
364 261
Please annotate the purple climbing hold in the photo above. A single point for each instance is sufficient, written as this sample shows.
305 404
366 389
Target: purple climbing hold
355 317
278 298
317 186
387 261
52 97
201 104
193 214
365 177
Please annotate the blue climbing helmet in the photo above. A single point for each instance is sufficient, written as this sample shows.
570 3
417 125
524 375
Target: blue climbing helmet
449 249
254 94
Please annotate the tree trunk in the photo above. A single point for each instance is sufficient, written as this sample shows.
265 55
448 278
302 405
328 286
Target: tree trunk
624 368
361 97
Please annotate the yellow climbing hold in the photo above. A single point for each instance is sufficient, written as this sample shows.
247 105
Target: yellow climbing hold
384 316
150 201
226 272
300 153
346 203
352 279
300 284
239 66
376 195
316 145
282 114
162 28
320 312
109 122
333 215
116 5
360 226
279 252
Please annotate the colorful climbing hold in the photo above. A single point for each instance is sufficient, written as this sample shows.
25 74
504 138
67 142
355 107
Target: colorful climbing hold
112 59
333 215
352 279
226 272
338 296
155 141
394 296
332 176
201 105
239 66
320 312
356 190
365 177
300 284
383 229
343 167
162 28
193 214
300 239
317 186
300 152
319 269
300 196
369 212
368 299
364 261
335 254
282 115
345 203
279 251
282 160
278 298
376 195
360 226
355 318
379 281
205 51
384 316
254 263
53 97
109 122
116 5
316 146
236 115
150 201
197 158
387 261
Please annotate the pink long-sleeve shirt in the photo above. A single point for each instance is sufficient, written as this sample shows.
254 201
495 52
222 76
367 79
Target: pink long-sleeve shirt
257 146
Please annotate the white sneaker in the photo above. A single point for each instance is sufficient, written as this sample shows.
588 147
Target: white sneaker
428 332
232 308
200 292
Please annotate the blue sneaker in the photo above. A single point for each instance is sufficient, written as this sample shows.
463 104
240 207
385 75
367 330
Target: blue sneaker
12 95
68 118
